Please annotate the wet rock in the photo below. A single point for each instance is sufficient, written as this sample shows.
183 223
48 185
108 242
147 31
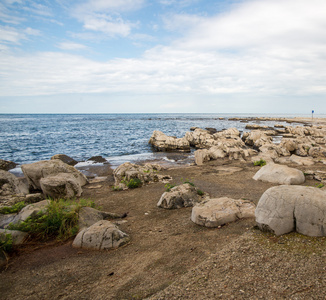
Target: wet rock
219 211
184 195
98 159
65 158
7 165
283 209
102 235
211 130
279 174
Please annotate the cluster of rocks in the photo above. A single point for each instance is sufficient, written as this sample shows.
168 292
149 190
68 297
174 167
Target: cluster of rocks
95 231
206 212
300 141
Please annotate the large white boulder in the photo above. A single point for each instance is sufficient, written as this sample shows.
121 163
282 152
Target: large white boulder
279 174
62 185
219 211
36 171
283 209
102 235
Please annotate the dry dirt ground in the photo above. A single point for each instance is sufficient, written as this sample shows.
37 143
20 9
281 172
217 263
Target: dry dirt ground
169 257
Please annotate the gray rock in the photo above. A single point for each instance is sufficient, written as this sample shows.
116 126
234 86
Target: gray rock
184 195
283 209
18 237
62 185
219 211
6 219
65 158
103 235
11 185
89 216
279 174
36 171
30 211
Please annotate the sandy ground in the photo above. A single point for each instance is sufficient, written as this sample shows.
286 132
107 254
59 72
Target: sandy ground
169 257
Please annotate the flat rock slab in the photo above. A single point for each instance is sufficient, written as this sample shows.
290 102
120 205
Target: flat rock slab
283 209
280 174
103 235
219 211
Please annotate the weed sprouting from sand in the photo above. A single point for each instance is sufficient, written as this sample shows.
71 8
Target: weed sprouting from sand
260 162
169 186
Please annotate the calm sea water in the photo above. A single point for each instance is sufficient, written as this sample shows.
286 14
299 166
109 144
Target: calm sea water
117 137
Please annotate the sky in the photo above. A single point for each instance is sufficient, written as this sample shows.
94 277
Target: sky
163 56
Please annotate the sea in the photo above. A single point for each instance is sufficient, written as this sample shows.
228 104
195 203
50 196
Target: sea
27 138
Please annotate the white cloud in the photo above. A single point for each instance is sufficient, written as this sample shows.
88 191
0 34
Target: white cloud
181 22
105 16
10 34
38 9
71 46
257 23
261 49
13 35
108 25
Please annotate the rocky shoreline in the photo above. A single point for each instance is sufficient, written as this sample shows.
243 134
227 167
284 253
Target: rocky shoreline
179 245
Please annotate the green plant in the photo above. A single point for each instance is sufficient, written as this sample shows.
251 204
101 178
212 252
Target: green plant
200 192
117 188
59 220
12 209
134 183
169 186
320 186
6 243
191 183
260 162
147 171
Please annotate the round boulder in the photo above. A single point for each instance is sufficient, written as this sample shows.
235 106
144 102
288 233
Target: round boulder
283 209
103 235
280 174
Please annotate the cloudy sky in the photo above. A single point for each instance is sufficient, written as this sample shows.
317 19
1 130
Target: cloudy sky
112 56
